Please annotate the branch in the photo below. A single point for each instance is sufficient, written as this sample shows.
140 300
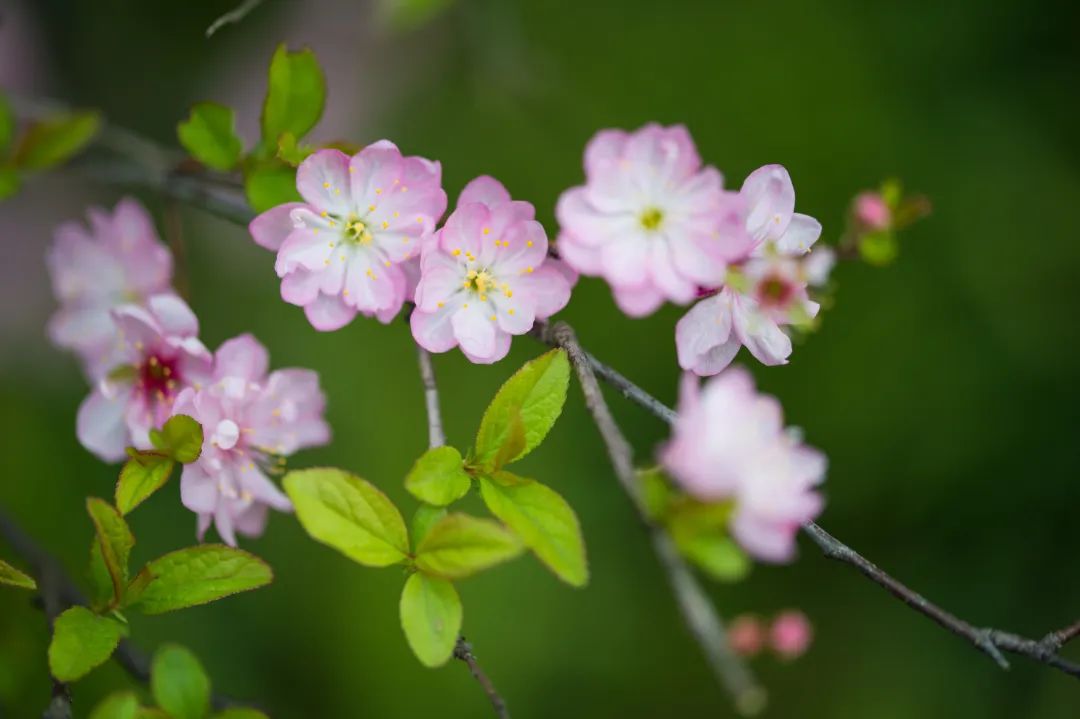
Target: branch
437 438
698 612
233 16
58 593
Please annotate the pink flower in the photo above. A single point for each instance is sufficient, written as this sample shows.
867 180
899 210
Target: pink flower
341 251
251 421
791 634
650 219
871 211
486 276
765 292
158 354
117 260
746 635
729 443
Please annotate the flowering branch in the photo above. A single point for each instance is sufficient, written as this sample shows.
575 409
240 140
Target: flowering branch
698 612
437 438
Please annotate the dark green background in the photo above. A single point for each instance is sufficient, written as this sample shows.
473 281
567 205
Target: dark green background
944 389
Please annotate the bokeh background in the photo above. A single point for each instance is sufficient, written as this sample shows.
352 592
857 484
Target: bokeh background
945 388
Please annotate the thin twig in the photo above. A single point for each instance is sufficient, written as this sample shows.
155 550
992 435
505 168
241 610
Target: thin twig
59 593
233 16
698 612
437 438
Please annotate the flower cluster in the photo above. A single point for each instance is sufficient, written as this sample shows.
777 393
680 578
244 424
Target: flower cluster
788 635
139 344
729 443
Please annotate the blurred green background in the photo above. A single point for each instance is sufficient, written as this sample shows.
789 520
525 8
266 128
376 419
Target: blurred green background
944 389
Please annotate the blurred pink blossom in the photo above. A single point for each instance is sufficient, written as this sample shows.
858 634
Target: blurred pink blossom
871 211
746 635
791 634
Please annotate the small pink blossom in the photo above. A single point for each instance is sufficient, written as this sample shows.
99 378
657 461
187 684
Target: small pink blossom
765 292
791 634
341 251
746 635
157 354
251 420
871 211
117 260
650 219
729 442
487 276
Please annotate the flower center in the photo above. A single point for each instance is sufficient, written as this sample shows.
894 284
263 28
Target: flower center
158 375
226 434
480 282
357 232
651 218
775 291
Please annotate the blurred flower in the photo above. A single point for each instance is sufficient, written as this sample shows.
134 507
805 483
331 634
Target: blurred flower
764 292
157 355
340 251
791 634
117 260
650 219
251 421
871 211
729 442
746 635
487 276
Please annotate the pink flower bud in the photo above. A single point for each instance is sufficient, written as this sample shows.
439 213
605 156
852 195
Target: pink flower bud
746 635
791 634
872 212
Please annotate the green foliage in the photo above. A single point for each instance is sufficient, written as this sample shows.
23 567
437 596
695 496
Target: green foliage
544 521
114 540
700 531
655 490
12 577
179 683
295 95
349 514
7 125
181 438
240 713
209 134
269 185
431 617
9 182
879 248
142 475
53 141
424 519
199 575
290 151
82 641
535 395
438 477
458 546
120 705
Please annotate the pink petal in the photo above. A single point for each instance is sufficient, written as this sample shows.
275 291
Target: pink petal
323 181
638 301
100 425
703 336
433 330
271 228
242 356
770 198
485 190
328 313
474 330
802 232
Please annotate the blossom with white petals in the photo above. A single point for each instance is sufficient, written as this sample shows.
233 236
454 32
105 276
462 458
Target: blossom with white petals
117 260
157 354
340 252
251 421
487 276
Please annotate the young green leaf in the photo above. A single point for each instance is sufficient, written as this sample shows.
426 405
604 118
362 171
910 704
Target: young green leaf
438 477
181 437
269 185
209 134
431 617
514 444
716 554
115 541
352 516
295 94
102 591
142 475
179 683
240 713
458 546
426 517
12 577
9 182
290 151
7 125
81 641
137 587
544 521
536 392
199 575
656 491
53 141
119 705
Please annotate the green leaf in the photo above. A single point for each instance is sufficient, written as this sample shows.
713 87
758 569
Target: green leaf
137 587
240 713
103 593
115 541
209 134
544 521
12 577
431 617
700 530
290 151
120 705
426 517
438 477
405 15
53 141
295 94
656 491
458 546
179 683
199 575
81 641
9 182
514 444
7 125
142 475
352 516
879 248
536 393
270 185
181 437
